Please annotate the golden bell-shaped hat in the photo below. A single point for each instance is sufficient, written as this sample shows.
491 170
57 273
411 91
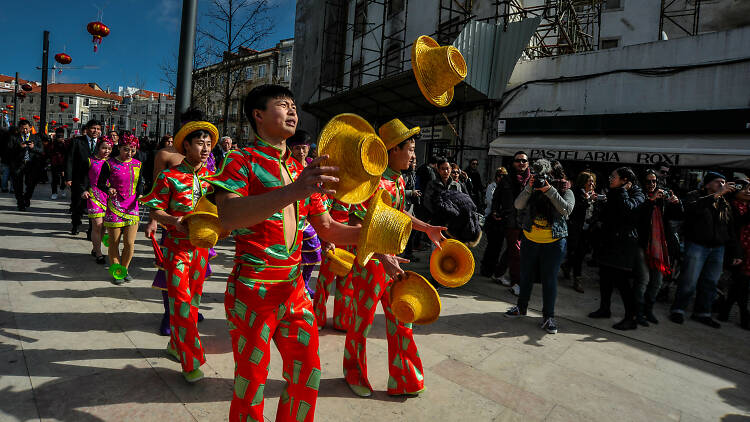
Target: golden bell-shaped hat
341 261
414 300
204 228
384 229
453 265
353 146
395 132
437 69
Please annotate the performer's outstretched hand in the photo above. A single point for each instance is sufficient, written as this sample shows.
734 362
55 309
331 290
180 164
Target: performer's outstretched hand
435 233
391 264
151 228
311 179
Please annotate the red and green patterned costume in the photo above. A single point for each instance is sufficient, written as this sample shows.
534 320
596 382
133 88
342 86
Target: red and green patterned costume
342 299
176 191
266 297
371 284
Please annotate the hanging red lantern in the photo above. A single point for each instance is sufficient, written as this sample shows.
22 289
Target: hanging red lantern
27 87
63 105
114 109
36 117
143 125
132 130
65 126
63 59
99 31
5 111
9 106
54 122
76 119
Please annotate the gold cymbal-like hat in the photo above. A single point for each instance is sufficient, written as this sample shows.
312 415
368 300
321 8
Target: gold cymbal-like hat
384 229
191 127
395 132
353 146
203 224
453 265
414 300
341 261
437 69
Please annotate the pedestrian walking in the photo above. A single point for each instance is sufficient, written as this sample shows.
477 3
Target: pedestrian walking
510 188
707 229
76 168
579 224
27 165
544 206
96 198
57 152
494 229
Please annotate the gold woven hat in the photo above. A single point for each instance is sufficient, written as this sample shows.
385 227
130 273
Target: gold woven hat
453 265
341 261
384 229
395 132
437 69
203 224
191 127
353 146
414 300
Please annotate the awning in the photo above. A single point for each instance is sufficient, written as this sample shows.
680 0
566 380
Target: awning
727 150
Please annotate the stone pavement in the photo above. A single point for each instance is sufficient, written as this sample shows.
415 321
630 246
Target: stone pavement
75 347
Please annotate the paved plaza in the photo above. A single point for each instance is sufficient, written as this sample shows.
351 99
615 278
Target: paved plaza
75 347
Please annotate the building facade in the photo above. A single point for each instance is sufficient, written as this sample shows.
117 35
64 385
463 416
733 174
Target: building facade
594 69
138 107
245 70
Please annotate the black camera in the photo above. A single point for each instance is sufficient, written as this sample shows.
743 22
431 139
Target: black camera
539 180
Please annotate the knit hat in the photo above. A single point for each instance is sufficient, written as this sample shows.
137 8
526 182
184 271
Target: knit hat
711 176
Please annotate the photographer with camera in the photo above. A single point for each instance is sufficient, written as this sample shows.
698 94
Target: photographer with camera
708 228
27 165
543 207
659 243
620 257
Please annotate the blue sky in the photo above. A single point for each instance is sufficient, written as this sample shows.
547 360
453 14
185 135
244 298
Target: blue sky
143 34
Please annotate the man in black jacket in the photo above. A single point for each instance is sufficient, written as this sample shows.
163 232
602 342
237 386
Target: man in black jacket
76 169
508 190
707 229
26 164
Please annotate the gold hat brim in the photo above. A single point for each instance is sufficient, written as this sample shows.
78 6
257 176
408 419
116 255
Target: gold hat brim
422 44
342 259
190 127
369 239
464 264
354 190
402 137
430 299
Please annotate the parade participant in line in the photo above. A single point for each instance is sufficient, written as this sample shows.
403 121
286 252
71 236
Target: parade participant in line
372 282
58 149
27 165
120 177
175 194
96 199
342 299
76 167
299 144
167 157
265 197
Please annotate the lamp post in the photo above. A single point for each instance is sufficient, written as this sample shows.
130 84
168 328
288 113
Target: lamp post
185 60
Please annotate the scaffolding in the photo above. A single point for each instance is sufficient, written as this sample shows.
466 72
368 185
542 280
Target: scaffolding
679 18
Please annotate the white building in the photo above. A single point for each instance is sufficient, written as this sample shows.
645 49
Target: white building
140 106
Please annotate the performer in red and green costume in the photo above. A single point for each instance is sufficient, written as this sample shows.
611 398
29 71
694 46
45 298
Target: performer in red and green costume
174 195
372 284
342 299
265 197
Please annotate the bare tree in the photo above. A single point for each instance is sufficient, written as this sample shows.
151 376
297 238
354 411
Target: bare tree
231 24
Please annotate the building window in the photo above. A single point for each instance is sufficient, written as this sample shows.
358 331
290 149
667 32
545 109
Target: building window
262 71
249 73
613 4
51 99
355 77
70 100
395 6
393 59
360 18
610 43
86 101
31 99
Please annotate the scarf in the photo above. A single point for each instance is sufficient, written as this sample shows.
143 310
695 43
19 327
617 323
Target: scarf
523 178
657 254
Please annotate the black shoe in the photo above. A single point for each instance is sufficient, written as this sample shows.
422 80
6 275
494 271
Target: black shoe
677 317
723 316
706 320
93 253
565 270
5 190
101 260
600 314
641 320
74 230
28 203
626 324
650 317
21 208
200 317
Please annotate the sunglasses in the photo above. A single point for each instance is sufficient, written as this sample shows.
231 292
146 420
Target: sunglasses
651 181
454 172
520 160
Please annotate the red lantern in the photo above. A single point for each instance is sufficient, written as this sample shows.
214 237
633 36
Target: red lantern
132 130
63 59
143 125
9 106
76 119
63 105
54 122
5 111
26 87
114 109
36 117
99 31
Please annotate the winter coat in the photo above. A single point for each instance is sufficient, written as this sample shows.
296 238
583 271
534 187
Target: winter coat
562 201
703 224
618 237
456 211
